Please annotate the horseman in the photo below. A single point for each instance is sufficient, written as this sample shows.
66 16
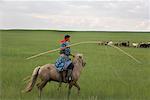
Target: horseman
63 62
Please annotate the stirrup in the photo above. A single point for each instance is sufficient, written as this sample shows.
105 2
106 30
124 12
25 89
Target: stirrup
69 79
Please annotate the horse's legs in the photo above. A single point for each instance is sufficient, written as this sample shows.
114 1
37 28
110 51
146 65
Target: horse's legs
69 90
41 85
38 84
77 86
59 86
60 78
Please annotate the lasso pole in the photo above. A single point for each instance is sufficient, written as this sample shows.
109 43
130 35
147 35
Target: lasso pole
125 53
54 50
85 42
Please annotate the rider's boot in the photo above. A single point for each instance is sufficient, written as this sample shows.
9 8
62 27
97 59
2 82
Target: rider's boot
69 75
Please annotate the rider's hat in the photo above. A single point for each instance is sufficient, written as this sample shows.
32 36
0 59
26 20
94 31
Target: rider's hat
67 36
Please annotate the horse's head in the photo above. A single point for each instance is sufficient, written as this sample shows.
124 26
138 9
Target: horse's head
79 57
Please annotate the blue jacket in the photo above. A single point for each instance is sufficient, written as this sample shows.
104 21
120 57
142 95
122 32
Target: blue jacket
65 51
63 62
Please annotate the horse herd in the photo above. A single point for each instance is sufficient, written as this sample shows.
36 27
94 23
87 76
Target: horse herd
126 44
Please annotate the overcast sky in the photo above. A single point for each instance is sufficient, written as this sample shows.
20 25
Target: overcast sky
97 15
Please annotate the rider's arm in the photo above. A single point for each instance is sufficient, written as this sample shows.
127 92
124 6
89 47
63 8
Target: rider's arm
64 46
72 55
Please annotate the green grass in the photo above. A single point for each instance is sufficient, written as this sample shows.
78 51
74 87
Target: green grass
108 75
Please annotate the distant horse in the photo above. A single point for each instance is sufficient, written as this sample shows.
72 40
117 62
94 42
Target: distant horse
125 44
49 73
110 43
135 45
144 45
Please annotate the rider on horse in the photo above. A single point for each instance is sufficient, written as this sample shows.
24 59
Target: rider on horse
63 62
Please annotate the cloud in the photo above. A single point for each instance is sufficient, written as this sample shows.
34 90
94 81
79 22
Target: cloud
76 15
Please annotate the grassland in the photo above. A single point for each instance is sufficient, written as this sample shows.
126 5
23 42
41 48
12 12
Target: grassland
108 75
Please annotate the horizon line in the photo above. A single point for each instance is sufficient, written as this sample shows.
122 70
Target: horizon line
73 30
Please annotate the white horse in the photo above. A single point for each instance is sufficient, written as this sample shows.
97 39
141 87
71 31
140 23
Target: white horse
49 73
135 45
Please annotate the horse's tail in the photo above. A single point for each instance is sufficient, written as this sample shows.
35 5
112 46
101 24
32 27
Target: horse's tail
32 80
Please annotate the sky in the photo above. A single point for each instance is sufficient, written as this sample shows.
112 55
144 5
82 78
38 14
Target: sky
92 15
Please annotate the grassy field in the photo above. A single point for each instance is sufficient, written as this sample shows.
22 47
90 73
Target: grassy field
108 75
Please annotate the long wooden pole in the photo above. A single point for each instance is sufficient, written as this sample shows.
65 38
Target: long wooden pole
54 50
50 51
125 53
86 42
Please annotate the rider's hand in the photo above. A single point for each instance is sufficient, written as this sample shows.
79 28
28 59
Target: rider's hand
72 55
